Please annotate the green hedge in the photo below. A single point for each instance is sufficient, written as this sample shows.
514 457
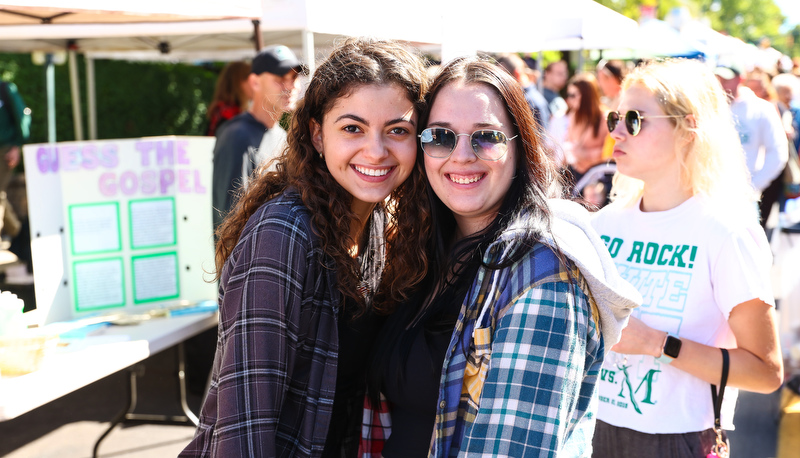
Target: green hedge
134 99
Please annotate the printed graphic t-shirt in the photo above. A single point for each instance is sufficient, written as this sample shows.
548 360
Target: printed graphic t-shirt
693 264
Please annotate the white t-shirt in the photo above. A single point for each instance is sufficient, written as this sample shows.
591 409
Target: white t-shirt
693 265
272 144
762 135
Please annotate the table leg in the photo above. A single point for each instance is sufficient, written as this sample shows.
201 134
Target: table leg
133 372
128 414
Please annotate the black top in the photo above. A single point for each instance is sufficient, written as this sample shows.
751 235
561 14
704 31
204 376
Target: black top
356 339
411 385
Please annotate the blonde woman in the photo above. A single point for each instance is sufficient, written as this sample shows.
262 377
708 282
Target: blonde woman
683 229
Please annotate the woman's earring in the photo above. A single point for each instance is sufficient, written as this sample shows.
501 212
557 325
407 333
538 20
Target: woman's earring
320 156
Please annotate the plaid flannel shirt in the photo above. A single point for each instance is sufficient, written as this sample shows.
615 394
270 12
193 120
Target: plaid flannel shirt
520 377
274 373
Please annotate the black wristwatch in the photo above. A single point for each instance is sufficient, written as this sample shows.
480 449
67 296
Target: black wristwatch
672 347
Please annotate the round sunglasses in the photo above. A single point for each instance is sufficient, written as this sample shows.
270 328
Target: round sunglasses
487 144
633 121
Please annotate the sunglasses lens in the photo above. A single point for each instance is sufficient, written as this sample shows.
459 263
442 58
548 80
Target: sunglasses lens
633 122
489 145
612 120
437 142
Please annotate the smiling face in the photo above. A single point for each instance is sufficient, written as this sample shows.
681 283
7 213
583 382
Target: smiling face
652 155
368 142
473 189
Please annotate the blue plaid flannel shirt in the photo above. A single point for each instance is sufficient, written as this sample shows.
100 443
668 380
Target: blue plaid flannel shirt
521 375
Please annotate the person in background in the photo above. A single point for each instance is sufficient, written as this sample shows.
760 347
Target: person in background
585 136
586 129
760 83
610 74
554 80
232 95
310 258
787 88
516 67
273 82
15 124
498 353
761 133
683 229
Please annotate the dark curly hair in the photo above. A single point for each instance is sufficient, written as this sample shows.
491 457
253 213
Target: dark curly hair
353 63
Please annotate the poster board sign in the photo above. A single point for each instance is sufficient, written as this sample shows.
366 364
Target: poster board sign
120 225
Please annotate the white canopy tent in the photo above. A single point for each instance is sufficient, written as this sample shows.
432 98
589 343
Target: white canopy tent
207 30
49 26
656 38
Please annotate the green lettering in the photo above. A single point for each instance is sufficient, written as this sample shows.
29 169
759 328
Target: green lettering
614 247
636 252
662 259
650 253
649 379
677 256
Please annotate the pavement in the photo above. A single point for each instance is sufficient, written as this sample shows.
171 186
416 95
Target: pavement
68 427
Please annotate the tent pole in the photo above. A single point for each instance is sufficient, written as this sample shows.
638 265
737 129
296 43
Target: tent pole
540 67
308 51
50 84
77 116
91 100
257 37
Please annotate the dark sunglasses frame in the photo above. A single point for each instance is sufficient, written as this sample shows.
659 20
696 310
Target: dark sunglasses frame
472 143
633 120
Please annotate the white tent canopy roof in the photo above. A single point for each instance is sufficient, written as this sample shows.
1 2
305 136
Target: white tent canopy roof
21 12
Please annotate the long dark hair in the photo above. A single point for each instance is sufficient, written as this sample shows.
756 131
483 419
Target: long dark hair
354 63
453 266
589 113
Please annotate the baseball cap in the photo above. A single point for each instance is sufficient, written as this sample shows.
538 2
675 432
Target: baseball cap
728 72
276 59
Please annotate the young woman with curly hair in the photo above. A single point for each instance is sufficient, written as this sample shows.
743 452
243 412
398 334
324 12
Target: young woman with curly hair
313 256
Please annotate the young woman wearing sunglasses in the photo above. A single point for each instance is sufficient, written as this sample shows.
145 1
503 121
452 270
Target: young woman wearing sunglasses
586 134
499 353
683 229
301 262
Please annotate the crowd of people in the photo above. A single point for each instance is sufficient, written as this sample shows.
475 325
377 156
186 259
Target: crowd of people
388 288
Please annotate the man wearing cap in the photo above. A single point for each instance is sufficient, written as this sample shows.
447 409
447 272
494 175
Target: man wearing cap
237 153
760 131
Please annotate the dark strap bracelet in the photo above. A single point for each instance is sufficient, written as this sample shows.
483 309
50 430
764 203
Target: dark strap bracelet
717 398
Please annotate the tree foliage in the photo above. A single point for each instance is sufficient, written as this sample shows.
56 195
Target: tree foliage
134 99
749 20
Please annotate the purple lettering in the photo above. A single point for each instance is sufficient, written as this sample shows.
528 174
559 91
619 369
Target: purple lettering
89 157
128 183
165 154
144 148
70 157
184 181
167 179
46 160
108 186
149 182
198 186
109 157
183 158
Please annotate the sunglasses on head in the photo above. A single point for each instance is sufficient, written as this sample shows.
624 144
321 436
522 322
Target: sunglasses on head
633 121
488 144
